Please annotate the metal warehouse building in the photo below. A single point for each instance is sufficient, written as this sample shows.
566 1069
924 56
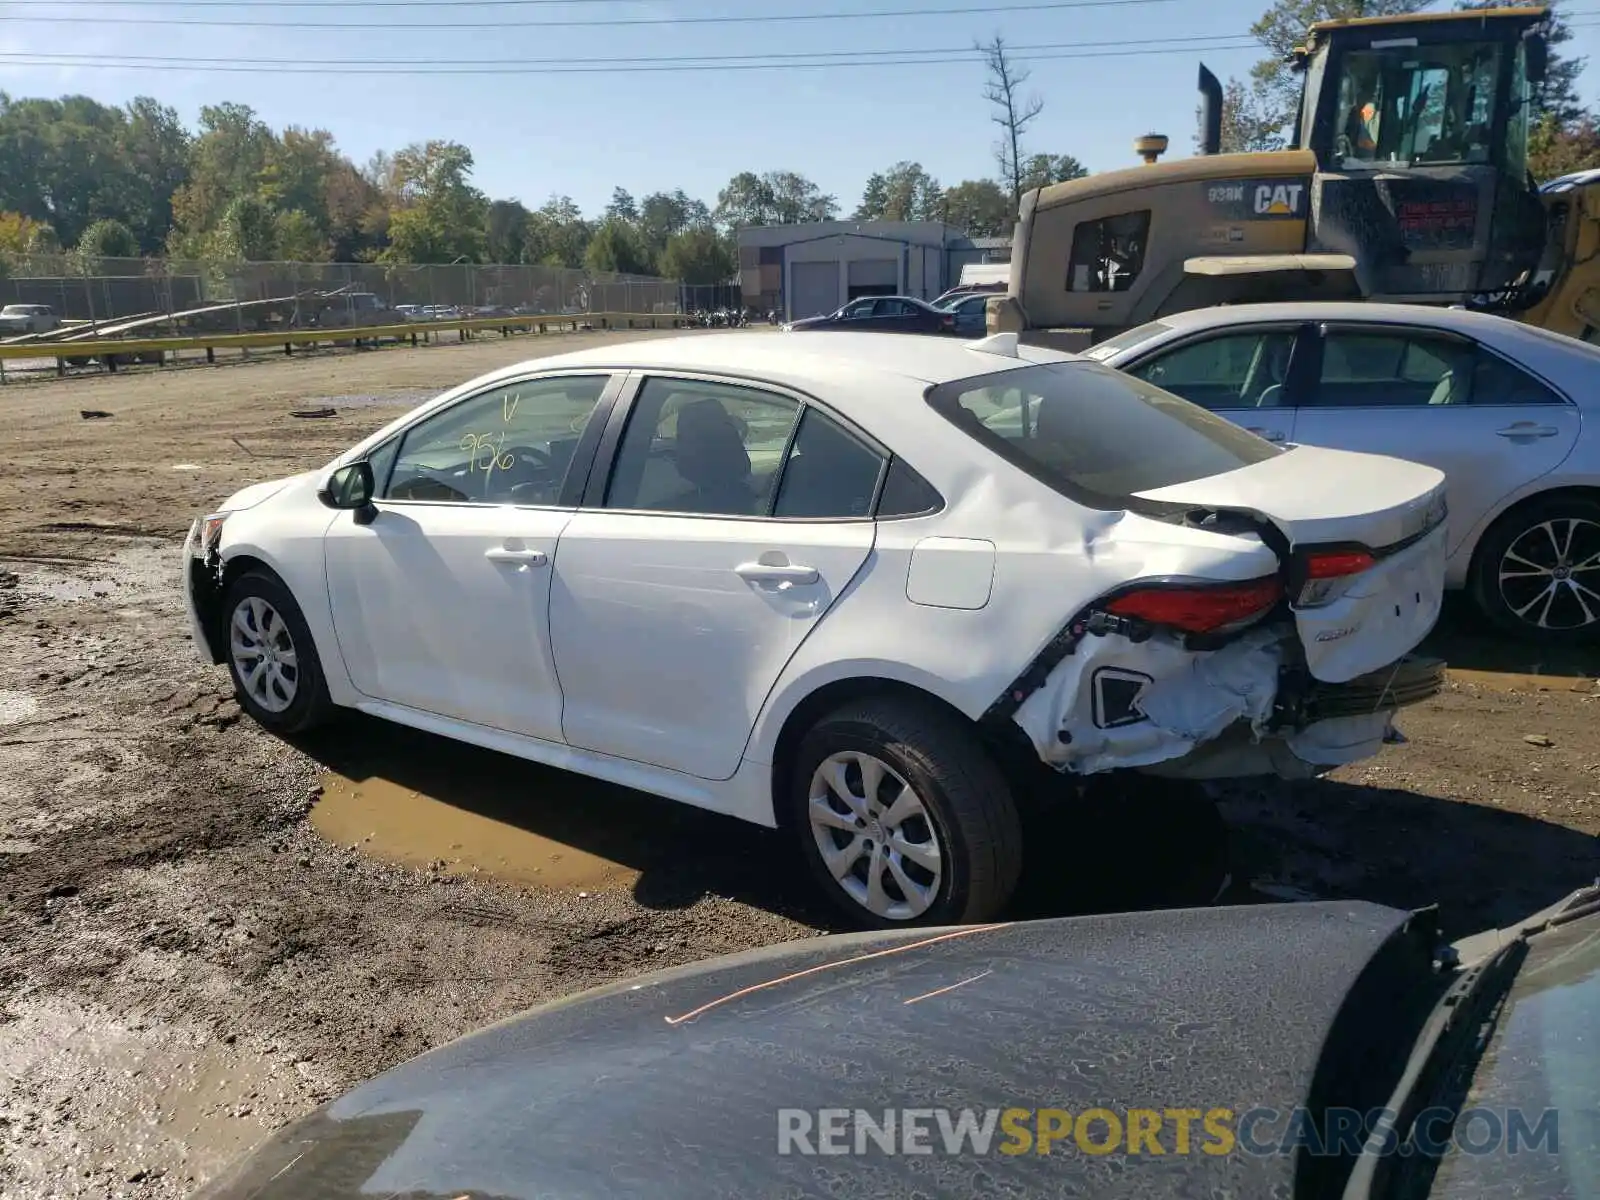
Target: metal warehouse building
804 270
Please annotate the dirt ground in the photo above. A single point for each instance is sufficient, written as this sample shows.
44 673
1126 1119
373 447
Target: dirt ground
206 931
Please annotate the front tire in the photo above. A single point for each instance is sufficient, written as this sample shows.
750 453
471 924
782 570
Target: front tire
903 817
277 675
1536 574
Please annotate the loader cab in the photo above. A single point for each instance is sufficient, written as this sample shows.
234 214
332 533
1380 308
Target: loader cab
1420 130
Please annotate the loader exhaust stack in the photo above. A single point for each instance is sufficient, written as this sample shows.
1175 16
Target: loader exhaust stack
1210 112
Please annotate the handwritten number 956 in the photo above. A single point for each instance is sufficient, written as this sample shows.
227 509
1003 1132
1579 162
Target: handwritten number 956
486 452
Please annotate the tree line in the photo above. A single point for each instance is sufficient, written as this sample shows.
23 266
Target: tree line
101 181
1257 112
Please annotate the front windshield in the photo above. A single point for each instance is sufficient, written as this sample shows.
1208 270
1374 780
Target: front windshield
1404 105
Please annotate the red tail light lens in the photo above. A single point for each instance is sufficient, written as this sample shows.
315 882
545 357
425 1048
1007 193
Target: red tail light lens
1329 573
947 322
1201 608
1335 566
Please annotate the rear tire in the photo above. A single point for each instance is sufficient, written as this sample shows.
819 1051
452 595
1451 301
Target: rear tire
1536 574
277 675
903 817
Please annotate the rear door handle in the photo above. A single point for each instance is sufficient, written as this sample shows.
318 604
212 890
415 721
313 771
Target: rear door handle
1272 435
759 572
532 558
1527 429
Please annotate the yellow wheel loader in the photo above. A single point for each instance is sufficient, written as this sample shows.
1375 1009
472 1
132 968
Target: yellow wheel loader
1406 181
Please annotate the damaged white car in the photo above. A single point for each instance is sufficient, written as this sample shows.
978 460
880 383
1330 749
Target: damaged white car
860 586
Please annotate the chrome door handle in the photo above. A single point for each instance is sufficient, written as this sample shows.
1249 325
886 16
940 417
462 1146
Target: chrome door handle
759 572
1527 429
1272 435
531 558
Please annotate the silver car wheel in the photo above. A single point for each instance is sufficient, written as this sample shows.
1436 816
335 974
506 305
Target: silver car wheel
1550 574
263 654
875 835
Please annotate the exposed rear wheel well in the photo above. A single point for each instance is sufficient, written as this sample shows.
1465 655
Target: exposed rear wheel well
1014 756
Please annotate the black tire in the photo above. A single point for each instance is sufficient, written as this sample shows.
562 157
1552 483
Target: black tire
309 705
962 790
1521 529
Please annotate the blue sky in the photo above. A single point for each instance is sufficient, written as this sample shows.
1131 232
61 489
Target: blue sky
540 133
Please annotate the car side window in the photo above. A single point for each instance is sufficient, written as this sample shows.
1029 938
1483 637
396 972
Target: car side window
1496 381
509 445
695 446
1236 370
829 472
906 493
1364 368
858 308
893 308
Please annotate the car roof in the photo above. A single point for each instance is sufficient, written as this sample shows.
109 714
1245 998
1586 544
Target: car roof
1475 323
801 357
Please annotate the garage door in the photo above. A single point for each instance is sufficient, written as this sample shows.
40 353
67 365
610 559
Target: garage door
879 276
813 289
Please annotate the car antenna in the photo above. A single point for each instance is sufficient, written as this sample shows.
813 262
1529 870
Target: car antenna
1003 344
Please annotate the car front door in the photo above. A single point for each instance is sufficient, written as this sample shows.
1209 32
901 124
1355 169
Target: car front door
441 603
1441 399
733 518
857 314
1250 376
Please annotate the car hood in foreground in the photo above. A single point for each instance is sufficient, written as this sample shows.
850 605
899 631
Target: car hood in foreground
672 1085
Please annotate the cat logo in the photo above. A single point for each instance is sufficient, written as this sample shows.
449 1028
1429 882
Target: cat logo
1279 200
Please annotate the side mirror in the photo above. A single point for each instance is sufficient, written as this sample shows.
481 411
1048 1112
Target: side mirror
352 487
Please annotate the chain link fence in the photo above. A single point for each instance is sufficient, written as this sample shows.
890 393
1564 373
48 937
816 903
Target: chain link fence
248 296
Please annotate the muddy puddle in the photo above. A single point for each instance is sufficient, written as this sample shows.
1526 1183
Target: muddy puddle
119 1097
403 825
414 799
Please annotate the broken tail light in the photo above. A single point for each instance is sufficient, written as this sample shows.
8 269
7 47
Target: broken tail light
1328 573
1201 607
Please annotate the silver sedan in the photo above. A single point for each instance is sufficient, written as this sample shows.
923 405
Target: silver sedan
1507 411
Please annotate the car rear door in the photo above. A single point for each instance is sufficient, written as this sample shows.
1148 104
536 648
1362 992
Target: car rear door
732 518
1251 375
1439 398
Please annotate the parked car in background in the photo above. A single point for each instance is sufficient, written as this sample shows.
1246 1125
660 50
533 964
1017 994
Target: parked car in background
882 314
1189 1052
971 313
1507 411
969 289
27 318
857 585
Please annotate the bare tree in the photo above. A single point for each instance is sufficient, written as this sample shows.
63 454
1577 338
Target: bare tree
1012 113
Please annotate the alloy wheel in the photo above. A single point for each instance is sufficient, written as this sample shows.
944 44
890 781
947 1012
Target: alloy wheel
1549 576
875 835
263 654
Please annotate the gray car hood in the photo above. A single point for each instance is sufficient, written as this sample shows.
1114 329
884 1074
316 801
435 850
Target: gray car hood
671 1085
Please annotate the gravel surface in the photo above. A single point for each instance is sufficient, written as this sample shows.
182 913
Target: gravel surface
186 961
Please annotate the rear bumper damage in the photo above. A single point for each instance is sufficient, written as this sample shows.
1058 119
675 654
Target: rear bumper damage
1247 708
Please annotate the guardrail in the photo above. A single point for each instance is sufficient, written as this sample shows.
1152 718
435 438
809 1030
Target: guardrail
108 350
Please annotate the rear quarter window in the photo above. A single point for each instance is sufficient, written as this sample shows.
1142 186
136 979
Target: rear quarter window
1093 433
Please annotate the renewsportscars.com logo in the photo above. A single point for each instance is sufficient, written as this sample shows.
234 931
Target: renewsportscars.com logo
1152 1132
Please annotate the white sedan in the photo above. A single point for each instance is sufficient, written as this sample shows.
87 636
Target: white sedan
857 585
1505 410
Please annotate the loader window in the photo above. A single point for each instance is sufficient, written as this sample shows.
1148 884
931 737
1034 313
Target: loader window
1108 254
1403 105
